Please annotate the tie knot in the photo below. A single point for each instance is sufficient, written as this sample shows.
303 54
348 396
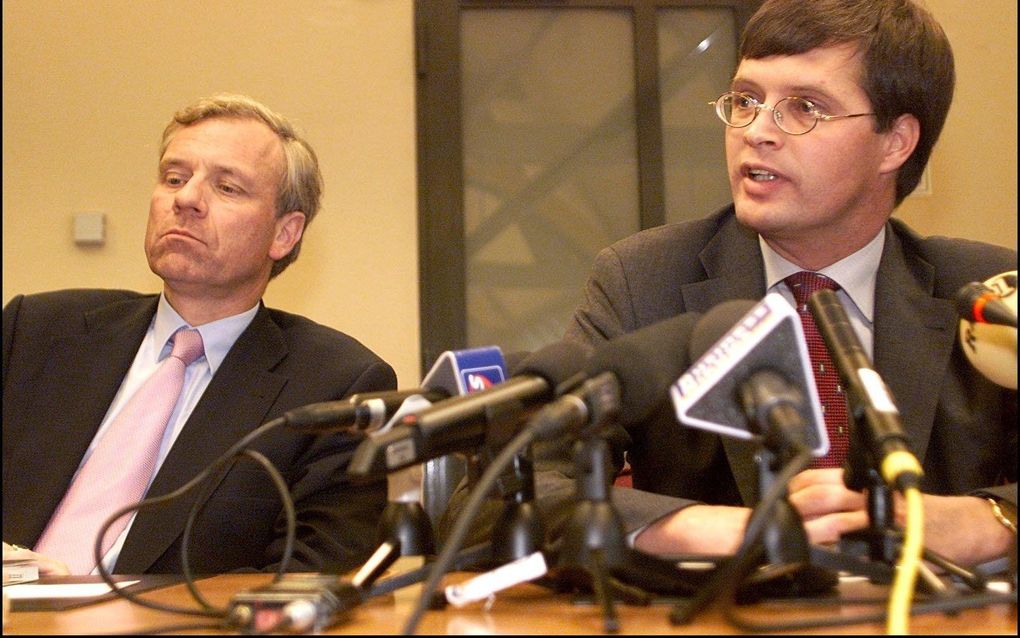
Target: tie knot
187 345
803 284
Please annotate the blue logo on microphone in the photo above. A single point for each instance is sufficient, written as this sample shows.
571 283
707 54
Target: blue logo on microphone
482 378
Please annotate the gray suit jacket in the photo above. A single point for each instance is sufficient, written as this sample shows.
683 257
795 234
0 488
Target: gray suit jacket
962 427
64 356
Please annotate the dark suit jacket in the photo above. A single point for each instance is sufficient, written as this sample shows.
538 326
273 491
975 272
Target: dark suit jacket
962 426
64 356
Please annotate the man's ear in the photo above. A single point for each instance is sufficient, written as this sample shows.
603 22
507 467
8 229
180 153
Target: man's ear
900 142
289 228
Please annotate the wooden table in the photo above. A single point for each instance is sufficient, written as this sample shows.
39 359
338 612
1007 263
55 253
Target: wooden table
523 609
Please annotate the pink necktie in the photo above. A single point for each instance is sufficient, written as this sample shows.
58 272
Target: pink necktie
121 465
803 284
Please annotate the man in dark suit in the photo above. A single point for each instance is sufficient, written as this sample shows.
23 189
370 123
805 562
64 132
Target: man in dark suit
236 189
815 178
830 119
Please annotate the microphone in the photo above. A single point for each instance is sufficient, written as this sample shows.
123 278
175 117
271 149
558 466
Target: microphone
593 402
645 363
364 411
986 337
870 401
751 367
461 422
455 372
978 303
629 375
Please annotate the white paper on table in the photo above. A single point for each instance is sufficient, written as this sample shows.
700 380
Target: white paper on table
30 591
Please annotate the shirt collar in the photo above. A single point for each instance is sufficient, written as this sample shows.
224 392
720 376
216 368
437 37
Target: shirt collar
218 336
855 273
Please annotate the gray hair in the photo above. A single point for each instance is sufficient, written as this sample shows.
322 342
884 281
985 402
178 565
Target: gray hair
301 183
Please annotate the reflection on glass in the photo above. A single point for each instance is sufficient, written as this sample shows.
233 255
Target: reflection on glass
697 57
550 163
550 152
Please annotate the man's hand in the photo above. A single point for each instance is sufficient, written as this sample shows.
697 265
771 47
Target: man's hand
960 528
828 507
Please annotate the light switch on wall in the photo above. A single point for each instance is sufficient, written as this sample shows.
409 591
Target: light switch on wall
89 229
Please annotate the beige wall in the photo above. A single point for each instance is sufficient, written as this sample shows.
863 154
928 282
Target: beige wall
973 168
88 86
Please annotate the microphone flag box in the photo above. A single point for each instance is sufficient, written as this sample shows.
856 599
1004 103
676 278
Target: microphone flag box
457 372
770 336
461 372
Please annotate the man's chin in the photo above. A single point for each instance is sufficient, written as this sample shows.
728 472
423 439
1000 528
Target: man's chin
175 269
754 215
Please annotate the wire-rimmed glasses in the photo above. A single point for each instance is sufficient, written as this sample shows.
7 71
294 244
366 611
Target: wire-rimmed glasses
793 115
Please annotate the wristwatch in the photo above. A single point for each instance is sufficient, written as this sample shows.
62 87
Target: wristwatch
1004 511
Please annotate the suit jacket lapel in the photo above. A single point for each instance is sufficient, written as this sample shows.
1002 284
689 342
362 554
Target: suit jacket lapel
236 401
735 270
81 376
733 263
906 314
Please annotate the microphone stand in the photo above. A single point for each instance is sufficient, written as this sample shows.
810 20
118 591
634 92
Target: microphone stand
404 530
519 531
873 551
785 565
775 558
593 546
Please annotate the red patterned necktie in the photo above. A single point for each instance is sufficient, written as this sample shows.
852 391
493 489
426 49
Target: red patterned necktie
834 408
121 465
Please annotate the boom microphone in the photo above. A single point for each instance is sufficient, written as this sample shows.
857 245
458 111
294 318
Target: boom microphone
752 368
460 422
870 401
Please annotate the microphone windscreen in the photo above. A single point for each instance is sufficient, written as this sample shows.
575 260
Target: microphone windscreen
557 362
514 360
715 324
646 362
992 348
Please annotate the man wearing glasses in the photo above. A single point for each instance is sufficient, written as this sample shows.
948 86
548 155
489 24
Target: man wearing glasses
830 119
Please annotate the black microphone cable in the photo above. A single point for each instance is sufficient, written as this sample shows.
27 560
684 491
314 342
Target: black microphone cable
200 503
230 456
462 526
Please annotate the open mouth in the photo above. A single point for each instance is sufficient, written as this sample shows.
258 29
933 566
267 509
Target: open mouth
761 175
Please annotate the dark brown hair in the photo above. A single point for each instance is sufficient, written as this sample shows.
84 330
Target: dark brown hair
907 59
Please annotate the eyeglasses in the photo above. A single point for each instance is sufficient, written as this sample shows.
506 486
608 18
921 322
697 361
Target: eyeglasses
794 115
